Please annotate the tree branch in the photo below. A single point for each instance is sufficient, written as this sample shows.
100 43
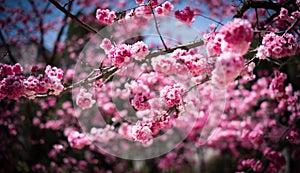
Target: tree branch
66 12
10 55
256 4
262 4
61 31
164 51
110 71
157 29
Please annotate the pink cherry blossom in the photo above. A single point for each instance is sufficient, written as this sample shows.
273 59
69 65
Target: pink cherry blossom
120 55
228 67
186 15
85 99
171 95
139 50
105 16
237 36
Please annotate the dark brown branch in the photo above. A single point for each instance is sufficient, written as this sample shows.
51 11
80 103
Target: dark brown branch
10 55
66 12
256 4
262 4
164 51
293 25
60 33
42 32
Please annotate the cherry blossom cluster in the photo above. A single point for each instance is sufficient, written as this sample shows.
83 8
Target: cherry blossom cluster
123 54
284 16
164 9
141 132
105 16
15 85
140 102
84 99
172 95
277 46
164 64
230 43
235 36
186 15
228 66
197 64
253 131
78 140
255 165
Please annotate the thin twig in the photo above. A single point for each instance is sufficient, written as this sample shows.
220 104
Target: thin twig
157 29
209 18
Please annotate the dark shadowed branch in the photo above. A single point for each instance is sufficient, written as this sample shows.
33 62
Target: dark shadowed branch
10 55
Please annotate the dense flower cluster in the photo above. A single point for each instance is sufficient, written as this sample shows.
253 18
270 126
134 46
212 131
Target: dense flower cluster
277 46
139 50
123 54
186 15
141 132
140 102
164 64
105 16
172 95
229 107
213 43
84 99
120 55
78 140
15 85
164 9
197 64
235 37
231 43
227 68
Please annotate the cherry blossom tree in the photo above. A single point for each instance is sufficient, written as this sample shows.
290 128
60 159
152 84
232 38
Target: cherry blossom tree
150 86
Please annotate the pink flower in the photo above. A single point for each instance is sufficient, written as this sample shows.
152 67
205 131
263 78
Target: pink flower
106 45
277 46
78 140
237 36
165 9
186 15
139 1
120 55
197 64
228 67
140 102
163 64
84 99
256 137
171 95
139 50
17 69
141 132
105 16
126 131
213 42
